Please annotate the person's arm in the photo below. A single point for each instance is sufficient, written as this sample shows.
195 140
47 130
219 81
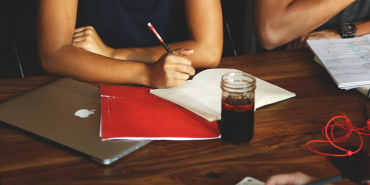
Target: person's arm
204 21
281 21
362 28
55 28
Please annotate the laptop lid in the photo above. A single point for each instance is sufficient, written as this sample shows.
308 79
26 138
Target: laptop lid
68 112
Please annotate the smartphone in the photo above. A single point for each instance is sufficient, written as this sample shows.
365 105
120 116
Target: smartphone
250 181
355 167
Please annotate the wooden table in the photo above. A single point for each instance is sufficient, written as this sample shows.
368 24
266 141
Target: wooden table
278 146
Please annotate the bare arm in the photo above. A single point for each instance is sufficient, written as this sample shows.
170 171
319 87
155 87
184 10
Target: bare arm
363 28
55 28
204 21
281 21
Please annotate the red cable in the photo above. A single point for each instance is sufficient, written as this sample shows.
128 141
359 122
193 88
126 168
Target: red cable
346 125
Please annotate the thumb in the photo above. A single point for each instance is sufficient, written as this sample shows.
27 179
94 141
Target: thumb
183 52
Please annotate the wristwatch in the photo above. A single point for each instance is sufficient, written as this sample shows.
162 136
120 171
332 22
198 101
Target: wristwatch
347 30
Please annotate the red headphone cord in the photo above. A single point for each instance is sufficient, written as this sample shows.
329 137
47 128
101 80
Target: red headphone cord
346 125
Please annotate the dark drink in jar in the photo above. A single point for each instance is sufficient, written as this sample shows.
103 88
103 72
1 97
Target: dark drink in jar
237 111
237 125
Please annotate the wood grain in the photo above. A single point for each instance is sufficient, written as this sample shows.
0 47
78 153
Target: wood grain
278 146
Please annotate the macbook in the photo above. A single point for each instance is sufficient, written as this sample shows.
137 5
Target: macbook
66 111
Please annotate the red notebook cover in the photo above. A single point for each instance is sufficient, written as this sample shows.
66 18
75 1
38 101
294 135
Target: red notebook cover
134 113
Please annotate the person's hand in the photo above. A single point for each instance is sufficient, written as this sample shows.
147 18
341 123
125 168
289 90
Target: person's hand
88 39
183 52
171 70
300 43
296 178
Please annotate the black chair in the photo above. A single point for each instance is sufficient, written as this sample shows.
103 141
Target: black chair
18 51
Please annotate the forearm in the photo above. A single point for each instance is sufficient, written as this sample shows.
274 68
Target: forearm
362 28
205 55
61 54
69 61
279 22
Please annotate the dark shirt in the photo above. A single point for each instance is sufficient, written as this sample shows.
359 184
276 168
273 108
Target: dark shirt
124 23
357 11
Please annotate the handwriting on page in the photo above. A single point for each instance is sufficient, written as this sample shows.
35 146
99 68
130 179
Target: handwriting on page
348 60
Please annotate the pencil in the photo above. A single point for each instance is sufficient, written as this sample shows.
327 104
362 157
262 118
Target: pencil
160 39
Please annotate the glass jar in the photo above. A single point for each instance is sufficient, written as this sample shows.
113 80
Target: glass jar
237 114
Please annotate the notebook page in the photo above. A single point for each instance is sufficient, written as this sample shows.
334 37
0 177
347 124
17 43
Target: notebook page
347 60
194 97
266 93
202 95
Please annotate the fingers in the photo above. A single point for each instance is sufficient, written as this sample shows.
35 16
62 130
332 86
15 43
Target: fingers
79 44
78 34
184 69
173 82
178 73
178 64
78 39
298 43
292 44
170 71
81 34
179 83
302 42
84 28
79 29
289 46
183 52
295 43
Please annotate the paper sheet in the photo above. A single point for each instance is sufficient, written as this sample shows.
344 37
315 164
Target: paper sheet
202 95
346 60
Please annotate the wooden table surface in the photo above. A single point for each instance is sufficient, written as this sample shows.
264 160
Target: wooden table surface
278 146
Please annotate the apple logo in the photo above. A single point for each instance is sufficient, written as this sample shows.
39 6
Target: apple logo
84 113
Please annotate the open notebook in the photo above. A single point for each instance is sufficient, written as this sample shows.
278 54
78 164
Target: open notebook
202 94
346 60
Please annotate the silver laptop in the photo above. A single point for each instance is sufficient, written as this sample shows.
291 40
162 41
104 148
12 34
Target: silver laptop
54 112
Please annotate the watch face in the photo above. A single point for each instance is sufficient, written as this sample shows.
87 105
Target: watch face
347 28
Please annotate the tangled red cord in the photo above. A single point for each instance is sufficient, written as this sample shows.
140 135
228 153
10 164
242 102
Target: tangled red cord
346 125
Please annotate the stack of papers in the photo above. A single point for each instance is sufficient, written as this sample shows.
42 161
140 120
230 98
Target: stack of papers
363 89
346 60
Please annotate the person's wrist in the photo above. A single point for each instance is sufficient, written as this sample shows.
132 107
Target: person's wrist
335 33
145 77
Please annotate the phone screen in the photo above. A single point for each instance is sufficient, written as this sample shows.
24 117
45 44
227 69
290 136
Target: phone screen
355 167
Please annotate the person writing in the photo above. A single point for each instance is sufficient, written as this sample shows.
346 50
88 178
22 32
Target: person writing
113 44
290 23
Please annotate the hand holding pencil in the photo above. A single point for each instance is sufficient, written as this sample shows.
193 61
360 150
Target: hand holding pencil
171 70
